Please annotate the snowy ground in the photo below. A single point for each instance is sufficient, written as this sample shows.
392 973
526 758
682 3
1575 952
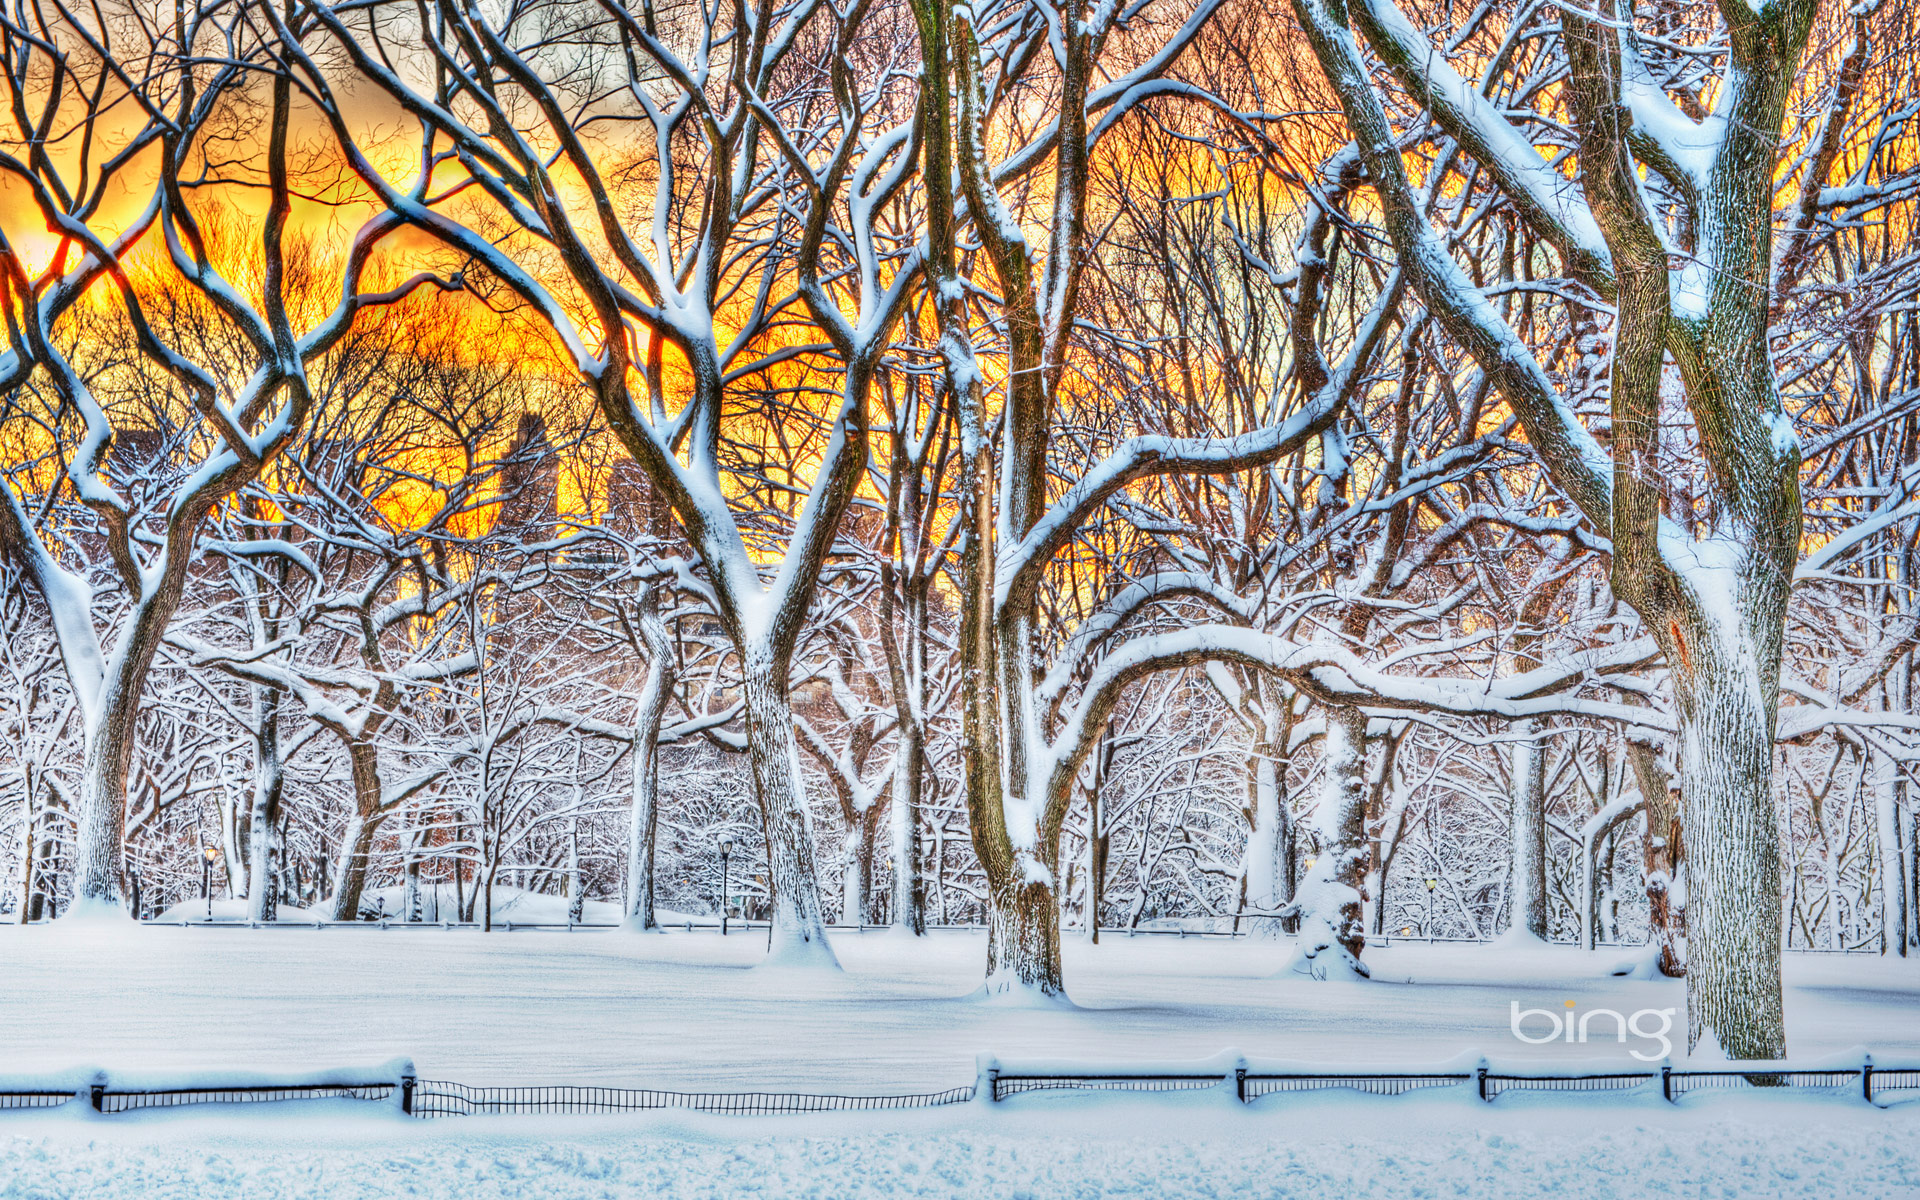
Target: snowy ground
686 1009
1044 1148
691 1010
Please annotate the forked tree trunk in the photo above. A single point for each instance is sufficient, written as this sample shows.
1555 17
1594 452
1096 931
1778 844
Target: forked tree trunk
799 928
1527 894
1332 899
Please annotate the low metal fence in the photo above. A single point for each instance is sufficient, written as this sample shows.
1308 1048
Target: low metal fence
1252 1087
106 1100
429 1098
439 1098
1001 1086
1675 1084
1492 1085
9 1100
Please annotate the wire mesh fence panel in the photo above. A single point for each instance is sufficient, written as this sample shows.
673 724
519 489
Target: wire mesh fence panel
1683 1082
1255 1086
34 1099
1496 1084
118 1102
439 1098
1011 1085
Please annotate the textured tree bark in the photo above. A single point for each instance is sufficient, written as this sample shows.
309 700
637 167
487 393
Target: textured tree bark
24 912
1331 902
1893 874
269 781
1268 873
1097 844
1023 940
350 870
644 819
576 886
856 878
909 907
799 928
1664 855
1527 894
1733 892
412 908
100 802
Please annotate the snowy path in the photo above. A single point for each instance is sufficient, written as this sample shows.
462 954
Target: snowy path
1044 1148
683 1009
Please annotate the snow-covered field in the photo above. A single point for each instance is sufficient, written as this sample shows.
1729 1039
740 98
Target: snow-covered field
692 1010
1043 1148
688 1009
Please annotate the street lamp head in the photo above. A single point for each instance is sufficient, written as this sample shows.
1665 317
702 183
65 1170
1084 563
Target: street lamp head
211 853
1432 884
726 846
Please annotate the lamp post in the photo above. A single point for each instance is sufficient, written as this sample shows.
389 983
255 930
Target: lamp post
726 852
206 876
1431 884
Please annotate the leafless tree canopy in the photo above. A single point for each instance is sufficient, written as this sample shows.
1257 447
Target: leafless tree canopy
1321 471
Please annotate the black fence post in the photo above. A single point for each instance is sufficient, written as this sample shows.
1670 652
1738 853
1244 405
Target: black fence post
1666 1082
993 1084
1866 1079
1480 1074
97 1094
1240 1084
407 1082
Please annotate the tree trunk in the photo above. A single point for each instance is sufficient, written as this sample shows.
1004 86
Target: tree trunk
1893 866
1023 940
1269 881
1331 902
356 847
1665 858
350 872
1096 865
411 908
1726 714
100 816
799 930
24 913
1527 894
269 781
576 887
462 899
909 909
644 820
486 894
856 876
